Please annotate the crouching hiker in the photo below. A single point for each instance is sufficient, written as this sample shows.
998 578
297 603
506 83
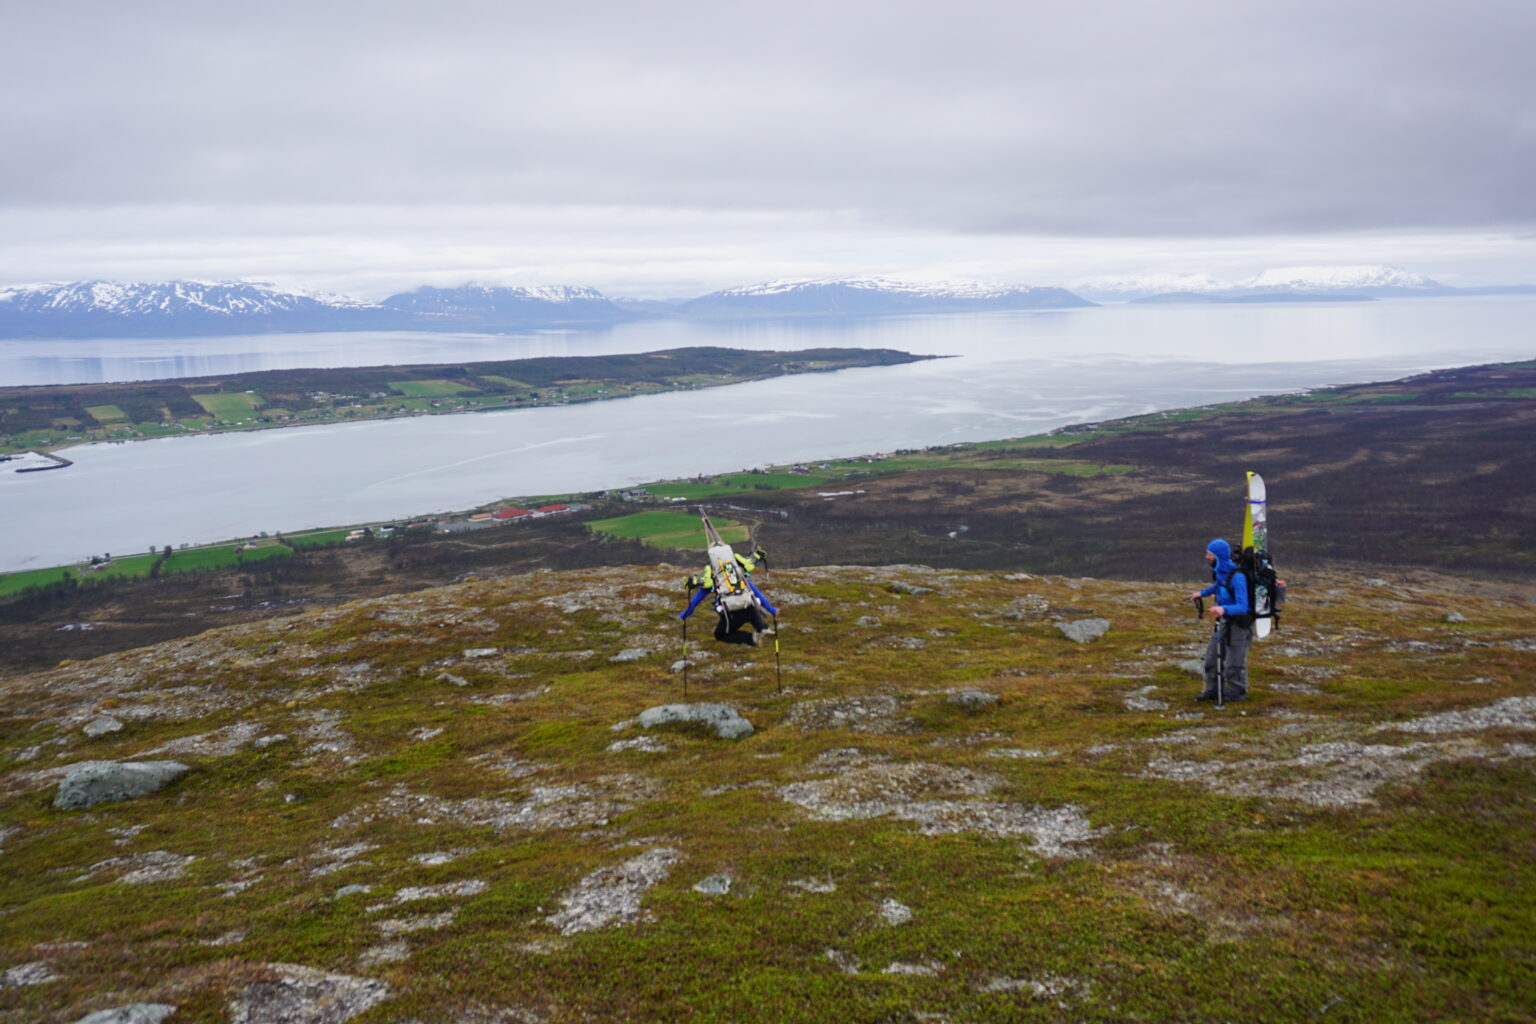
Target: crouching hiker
737 600
1226 656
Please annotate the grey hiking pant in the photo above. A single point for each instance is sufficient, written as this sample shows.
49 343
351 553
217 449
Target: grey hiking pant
1237 640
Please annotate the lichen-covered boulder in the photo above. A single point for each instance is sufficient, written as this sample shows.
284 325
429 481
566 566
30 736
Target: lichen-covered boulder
1084 630
100 781
972 700
721 718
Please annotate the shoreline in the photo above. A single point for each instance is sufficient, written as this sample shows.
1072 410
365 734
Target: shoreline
1065 435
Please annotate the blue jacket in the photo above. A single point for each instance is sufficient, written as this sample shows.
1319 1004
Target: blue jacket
698 595
1228 584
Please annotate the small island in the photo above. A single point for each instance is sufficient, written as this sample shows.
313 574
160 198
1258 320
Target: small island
42 418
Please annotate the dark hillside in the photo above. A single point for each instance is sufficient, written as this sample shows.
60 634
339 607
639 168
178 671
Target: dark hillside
1435 472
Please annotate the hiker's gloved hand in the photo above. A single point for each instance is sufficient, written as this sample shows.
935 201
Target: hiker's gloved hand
759 554
1217 611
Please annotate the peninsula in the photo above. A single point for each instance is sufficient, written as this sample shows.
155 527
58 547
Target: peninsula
56 416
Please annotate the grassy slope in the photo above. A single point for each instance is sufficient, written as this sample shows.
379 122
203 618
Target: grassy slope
1192 902
668 529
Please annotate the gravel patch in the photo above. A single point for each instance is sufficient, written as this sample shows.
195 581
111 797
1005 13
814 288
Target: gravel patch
611 896
425 922
38 972
1509 713
874 714
933 797
141 868
1140 701
303 995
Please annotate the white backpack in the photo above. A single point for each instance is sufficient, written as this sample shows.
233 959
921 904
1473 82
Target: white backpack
732 592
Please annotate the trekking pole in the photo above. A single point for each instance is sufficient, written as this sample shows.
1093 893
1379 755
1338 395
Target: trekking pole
1221 663
685 657
778 670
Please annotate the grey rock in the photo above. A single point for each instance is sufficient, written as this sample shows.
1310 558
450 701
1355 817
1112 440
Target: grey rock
722 718
898 587
351 890
972 700
1194 666
1375 583
680 664
99 781
1455 617
101 726
1083 630
630 654
714 885
481 652
303 995
263 742
1141 700
868 621
133 1013
895 912
38 972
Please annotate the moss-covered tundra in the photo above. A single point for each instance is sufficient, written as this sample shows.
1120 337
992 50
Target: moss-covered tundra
420 808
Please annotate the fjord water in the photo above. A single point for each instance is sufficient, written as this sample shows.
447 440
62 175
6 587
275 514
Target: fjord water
1011 375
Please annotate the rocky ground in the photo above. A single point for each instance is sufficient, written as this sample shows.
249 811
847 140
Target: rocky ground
965 802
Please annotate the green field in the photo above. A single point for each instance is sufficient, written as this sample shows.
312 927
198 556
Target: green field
430 388
315 540
106 413
506 381
16 582
668 529
223 557
735 483
232 406
136 567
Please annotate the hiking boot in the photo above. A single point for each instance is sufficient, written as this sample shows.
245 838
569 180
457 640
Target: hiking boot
1236 697
1207 696
754 639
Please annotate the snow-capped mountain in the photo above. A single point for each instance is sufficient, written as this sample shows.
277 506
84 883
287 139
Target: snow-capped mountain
871 296
85 309
109 308
1123 287
492 305
1279 283
1369 279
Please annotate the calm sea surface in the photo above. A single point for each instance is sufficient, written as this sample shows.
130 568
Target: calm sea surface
1013 374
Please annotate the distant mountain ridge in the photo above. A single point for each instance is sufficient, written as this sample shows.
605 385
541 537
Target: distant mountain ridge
85 309
183 308
109 308
869 296
498 305
1363 281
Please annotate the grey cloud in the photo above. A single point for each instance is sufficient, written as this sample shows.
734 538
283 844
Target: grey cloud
1175 118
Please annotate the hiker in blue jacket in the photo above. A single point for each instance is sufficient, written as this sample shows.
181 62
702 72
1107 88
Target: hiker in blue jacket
729 629
1232 634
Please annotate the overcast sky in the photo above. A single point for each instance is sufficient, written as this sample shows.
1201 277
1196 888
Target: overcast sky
670 148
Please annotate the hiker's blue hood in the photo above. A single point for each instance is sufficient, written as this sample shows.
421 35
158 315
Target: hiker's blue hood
1223 552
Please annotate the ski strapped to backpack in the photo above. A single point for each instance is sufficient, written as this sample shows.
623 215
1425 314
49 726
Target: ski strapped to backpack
727 572
1266 591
